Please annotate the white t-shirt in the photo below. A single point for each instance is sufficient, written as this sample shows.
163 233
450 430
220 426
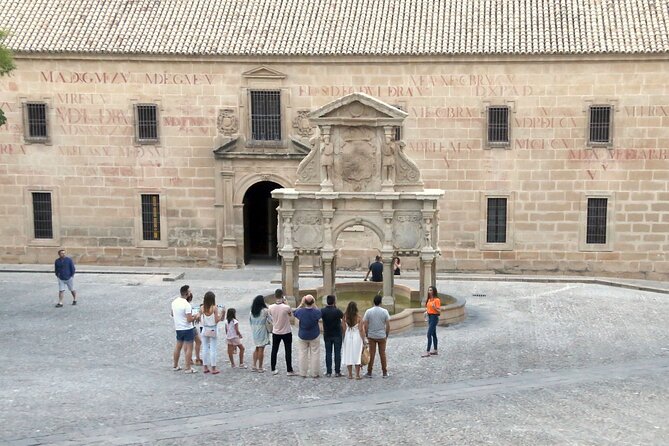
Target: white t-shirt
230 331
180 308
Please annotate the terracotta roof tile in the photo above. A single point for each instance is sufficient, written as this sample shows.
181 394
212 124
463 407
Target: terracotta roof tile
341 27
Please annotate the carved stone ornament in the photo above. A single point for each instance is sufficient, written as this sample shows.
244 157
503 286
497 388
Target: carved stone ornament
408 231
307 231
407 170
358 161
302 125
227 121
308 171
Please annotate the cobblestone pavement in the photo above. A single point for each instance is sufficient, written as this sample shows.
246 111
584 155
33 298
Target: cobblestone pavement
533 363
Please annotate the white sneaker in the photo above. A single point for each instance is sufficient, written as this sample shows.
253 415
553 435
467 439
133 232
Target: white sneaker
275 372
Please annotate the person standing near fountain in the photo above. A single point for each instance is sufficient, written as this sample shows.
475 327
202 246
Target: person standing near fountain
432 306
377 326
281 331
376 269
332 335
354 333
309 336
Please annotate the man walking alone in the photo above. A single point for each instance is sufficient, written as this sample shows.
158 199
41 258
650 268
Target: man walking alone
64 270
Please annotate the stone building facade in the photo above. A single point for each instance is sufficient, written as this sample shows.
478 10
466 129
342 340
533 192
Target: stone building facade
126 148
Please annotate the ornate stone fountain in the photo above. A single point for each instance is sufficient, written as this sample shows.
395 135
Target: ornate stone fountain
357 174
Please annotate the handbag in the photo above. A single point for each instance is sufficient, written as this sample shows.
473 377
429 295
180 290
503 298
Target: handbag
364 356
209 333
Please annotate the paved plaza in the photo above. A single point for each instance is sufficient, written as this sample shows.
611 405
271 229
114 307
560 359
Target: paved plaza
533 363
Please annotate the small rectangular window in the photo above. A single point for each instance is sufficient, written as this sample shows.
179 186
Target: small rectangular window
397 131
600 124
596 221
498 125
496 221
36 124
42 215
150 217
266 115
146 123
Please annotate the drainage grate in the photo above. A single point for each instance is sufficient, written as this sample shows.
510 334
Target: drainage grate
478 295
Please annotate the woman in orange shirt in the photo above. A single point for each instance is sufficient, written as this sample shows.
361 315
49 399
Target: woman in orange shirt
432 306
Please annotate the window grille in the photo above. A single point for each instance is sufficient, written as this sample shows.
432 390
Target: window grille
36 121
42 215
266 115
150 217
496 224
596 220
600 124
146 123
498 125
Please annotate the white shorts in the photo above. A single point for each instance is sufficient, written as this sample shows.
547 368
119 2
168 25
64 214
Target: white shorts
66 284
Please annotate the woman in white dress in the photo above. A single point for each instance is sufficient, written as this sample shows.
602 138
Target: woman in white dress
354 333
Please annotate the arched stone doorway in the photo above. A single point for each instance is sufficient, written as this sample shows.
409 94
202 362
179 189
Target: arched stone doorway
260 222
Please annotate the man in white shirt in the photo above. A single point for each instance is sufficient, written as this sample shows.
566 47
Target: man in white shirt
281 331
183 324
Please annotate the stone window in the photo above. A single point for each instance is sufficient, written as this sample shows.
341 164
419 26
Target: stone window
265 106
496 228
596 226
496 221
497 125
596 221
599 125
42 215
151 217
146 123
36 122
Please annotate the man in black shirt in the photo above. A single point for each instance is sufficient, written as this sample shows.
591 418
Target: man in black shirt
332 335
376 269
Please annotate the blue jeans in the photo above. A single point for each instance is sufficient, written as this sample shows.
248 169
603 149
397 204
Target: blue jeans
331 343
433 320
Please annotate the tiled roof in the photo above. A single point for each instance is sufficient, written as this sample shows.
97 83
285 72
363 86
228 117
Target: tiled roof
337 27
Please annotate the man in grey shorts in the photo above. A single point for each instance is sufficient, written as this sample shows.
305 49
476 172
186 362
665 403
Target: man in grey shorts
64 270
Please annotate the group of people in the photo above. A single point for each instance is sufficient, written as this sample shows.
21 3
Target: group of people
346 334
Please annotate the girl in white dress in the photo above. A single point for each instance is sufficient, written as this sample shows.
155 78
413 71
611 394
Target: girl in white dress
354 333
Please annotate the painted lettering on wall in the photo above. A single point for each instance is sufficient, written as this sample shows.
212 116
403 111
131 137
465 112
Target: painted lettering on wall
460 80
80 99
391 91
84 77
631 154
445 112
643 111
87 116
166 78
12 149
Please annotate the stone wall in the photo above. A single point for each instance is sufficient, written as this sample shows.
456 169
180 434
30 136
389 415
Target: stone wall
96 171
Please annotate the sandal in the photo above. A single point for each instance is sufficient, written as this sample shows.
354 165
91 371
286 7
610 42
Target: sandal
190 371
425 355
206 371
241 366
434 353
176 369
59 305
215 372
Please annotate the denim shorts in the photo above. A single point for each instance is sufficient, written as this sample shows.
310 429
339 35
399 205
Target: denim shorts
66 284
185 335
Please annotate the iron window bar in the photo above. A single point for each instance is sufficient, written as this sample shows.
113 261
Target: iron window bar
150 217
146 116
596 221
498 125
600 124
496 221
42 215
266 115
36 121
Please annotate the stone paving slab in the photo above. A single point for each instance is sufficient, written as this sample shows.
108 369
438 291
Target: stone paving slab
101 370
